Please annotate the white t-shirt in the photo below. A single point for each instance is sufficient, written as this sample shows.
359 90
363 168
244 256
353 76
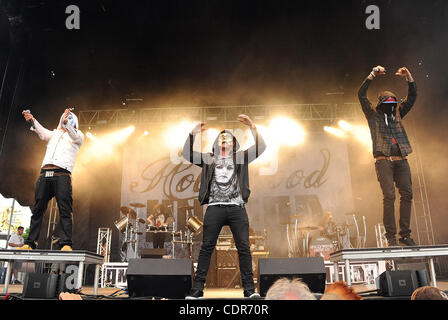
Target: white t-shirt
16 239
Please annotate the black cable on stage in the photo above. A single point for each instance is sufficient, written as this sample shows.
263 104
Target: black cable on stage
362 292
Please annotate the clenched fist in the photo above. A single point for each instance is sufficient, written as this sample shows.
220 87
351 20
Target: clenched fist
28 116
379 70
403 72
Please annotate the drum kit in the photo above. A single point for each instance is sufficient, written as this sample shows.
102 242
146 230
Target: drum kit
321 241
193 228
129 225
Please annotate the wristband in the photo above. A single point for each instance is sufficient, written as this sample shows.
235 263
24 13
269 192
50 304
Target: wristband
372 74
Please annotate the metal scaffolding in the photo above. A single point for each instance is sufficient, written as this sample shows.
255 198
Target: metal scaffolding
420 201
322 112
104 242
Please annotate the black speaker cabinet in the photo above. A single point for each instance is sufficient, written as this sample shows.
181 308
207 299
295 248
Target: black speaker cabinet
310 270
154 253
164 278
228 277
40 285
402 282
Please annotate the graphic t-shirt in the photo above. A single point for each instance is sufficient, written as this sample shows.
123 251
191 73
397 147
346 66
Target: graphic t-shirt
224 188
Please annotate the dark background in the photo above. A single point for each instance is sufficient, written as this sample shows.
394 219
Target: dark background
198 53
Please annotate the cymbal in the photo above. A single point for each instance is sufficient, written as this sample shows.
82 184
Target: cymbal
350 214
128 212
296 216
308 228
137 205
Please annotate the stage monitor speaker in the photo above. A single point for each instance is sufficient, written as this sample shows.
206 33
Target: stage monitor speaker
310 270
402 282
40 285
164 278
153 253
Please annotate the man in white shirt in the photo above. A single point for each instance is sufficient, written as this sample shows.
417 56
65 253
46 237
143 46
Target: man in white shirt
55 176
16 241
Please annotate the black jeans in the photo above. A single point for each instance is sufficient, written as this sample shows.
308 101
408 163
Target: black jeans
47 188
159 240
215 218
388 173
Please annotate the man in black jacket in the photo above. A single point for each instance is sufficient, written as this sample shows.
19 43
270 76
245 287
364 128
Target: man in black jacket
390 149
225 189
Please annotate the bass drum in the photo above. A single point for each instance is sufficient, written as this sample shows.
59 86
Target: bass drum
321 247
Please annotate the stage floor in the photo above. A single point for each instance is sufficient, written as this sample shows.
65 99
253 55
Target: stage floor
211 293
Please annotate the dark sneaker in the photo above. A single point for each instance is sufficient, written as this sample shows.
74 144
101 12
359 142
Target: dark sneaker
408 241
195 294
392 242
251 294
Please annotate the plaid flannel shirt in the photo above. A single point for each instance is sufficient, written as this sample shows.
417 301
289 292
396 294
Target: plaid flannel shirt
383 132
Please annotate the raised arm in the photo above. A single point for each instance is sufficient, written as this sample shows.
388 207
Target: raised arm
254 151
366 105
187 151
409 102
43 133
76 135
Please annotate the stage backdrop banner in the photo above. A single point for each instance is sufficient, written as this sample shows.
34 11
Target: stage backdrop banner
288 183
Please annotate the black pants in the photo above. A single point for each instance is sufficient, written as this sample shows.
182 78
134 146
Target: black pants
159 239
47 188
215 218
398 173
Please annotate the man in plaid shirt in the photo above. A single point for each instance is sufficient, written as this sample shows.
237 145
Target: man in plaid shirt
390 149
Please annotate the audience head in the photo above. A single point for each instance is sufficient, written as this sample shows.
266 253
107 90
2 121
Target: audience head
289 289
340 291
428 293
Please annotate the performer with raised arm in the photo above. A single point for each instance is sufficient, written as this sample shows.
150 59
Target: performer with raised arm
390 149
225 189
55 176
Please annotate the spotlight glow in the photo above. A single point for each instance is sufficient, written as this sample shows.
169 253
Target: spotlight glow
286 131
104 145
362 134
175 136
335 131
344 125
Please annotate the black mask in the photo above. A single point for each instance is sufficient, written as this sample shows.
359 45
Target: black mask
388 108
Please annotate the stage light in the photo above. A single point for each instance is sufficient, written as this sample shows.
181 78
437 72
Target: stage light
89 134
362 135
175 136
146 132
286 131
345 125
335 131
